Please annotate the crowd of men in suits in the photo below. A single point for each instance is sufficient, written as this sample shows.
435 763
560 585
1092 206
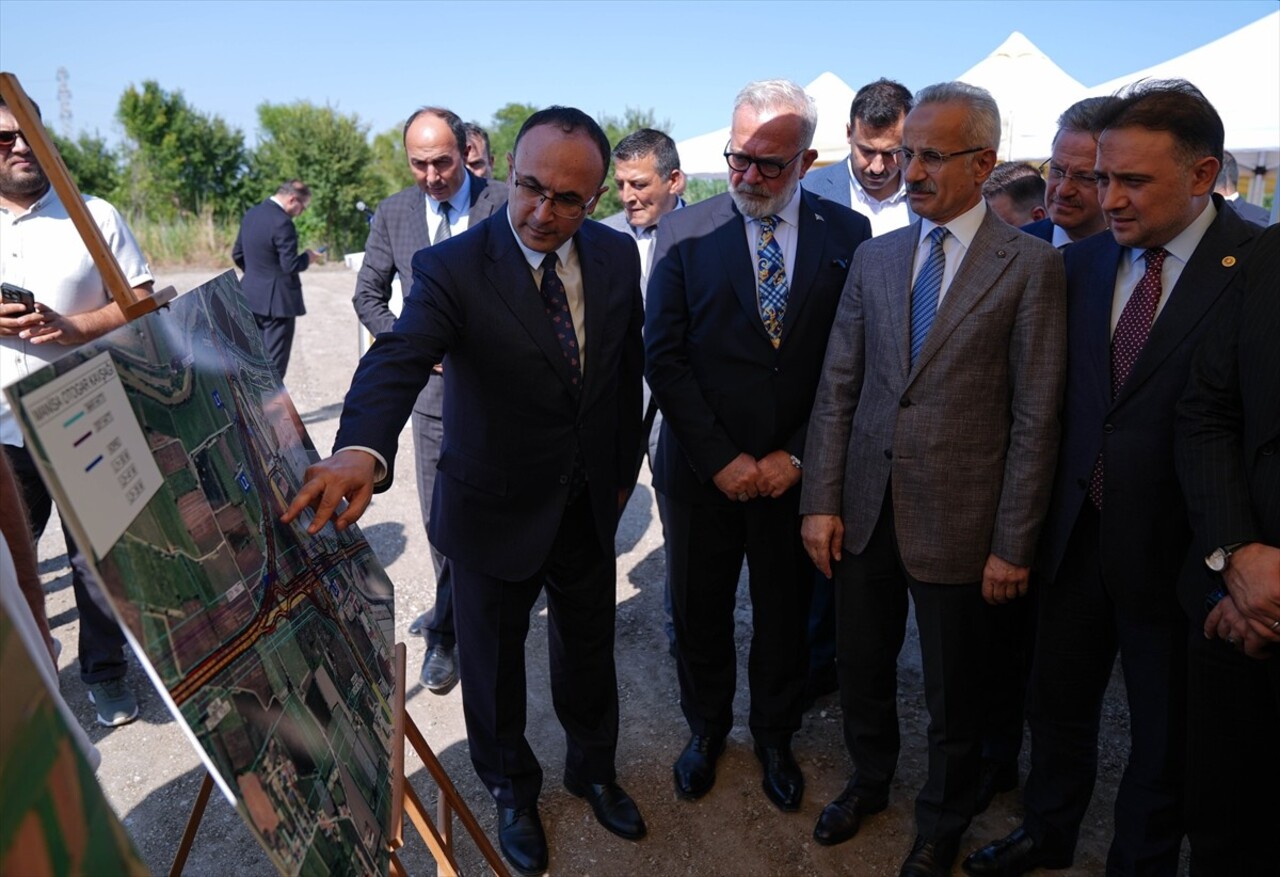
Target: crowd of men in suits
878 393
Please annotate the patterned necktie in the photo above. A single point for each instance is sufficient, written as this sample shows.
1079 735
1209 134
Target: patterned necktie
443 233
925 292
1132 330
771 280
556 301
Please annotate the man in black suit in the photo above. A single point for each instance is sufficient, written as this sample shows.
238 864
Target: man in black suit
1139 300
538 319
445 200
1071 191
740 301
266 250
1227 187
1228 430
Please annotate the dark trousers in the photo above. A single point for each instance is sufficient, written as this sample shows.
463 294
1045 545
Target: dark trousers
706 545
277 338
1081 628
1008 669
428 436
871 620
1233 760
101 644
493 621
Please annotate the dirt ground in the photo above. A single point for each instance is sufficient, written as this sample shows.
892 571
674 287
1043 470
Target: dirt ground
151 773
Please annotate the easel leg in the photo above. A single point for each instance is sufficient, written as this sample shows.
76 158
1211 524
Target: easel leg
193 825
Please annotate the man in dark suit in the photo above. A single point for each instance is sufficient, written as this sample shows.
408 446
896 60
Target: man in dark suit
445 200
1071 191
1228 429
1227 187
929 462
1139 301
537 317
740 301
869 179
266 250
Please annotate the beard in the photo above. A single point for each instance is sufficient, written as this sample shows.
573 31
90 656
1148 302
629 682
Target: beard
23 183
758 202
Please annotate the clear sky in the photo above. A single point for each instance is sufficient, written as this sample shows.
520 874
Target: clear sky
684 60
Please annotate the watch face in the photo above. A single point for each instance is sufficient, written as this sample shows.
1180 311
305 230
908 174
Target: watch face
1217 560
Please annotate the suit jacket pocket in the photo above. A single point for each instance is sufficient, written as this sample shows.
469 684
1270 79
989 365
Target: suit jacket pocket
472 472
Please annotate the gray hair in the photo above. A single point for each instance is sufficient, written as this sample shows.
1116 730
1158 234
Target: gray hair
982 125
781 94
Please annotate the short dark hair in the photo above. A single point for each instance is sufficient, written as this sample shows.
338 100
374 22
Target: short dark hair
1172 105
1230 171
474 130
449 117
1019 181
880 104
294 187
568 120
39 115
649 141
1083 115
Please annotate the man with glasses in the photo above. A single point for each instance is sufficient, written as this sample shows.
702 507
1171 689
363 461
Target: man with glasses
1071 192
45 254
929 461
266 250
740 300
445 200
539 314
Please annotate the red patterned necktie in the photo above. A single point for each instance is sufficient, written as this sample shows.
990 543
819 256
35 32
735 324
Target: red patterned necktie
556 301
1130 337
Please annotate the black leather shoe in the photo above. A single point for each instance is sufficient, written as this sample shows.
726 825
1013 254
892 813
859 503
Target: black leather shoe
783 782
695 769
418 627
440 669
930 858
995 777
841 819
1011 856
613 807
522 841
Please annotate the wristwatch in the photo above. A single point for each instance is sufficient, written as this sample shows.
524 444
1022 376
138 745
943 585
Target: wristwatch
795 461
1218 559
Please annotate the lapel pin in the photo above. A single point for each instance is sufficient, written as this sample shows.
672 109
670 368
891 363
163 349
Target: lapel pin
1228 261
1000 253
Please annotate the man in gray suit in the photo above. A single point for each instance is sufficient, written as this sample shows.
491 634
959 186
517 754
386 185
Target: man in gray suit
930 459
446 200
869 179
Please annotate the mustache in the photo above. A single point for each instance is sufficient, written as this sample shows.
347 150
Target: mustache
751 189
924 187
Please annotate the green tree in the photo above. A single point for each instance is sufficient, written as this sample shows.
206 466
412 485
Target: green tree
503 129
93 166
328 151
390 167
179 161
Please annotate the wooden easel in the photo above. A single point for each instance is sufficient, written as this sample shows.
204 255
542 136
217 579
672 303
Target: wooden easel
113 279
438 834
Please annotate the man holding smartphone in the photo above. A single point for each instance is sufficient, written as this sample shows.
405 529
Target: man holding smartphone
43 253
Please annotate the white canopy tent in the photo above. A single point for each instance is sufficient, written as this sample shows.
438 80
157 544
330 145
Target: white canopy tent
703 155
1240 75
1031 91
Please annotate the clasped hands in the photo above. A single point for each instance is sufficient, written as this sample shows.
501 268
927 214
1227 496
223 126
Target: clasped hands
746 478
1249 616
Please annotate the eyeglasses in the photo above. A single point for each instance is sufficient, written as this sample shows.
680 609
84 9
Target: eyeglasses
769 168
562 206
931 158
1058 174
8 138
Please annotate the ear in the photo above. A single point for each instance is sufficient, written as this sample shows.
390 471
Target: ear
1204 175
595 201
1038 213
848 133
678 182
807 160
984 163
511 169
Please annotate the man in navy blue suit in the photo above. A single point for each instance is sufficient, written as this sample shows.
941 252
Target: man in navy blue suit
266 250
537 316
1071 193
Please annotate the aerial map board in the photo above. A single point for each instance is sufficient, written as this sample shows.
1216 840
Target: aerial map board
172 449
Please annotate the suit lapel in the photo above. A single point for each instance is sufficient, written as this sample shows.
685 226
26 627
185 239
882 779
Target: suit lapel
731 240
809 247
509 274
1093 298
897 286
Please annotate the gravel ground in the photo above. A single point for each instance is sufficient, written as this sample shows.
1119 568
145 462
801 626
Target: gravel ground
151 773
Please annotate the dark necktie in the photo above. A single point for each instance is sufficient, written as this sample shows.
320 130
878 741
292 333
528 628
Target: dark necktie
556 302
771 280
1132 331
926 291
443 233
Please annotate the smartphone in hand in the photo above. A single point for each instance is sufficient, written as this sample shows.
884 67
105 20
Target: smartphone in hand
12 294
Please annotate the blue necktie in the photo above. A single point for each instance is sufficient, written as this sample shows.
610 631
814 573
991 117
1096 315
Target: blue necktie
924 295
556 302
443 232
771 280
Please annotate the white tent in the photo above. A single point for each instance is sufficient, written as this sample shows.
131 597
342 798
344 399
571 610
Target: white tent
1031 92
703 155
1240 75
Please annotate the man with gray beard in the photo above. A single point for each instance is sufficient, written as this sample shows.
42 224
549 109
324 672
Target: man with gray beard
741 298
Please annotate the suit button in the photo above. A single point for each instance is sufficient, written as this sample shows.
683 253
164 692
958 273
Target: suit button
888 454
776 370
1267 450
1108 428
564 479
904 402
